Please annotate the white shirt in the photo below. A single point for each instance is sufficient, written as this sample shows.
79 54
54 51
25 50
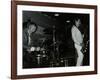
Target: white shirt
76 35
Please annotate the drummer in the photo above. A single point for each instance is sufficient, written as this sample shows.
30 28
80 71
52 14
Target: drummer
27 32
28 29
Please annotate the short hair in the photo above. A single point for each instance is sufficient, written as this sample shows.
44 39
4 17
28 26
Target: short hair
29 22
76 19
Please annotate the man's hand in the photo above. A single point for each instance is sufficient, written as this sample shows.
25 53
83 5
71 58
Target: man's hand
29 50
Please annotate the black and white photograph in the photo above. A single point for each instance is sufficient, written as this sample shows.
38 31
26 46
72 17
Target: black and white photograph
53 39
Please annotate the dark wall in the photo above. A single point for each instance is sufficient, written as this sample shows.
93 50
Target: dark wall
39 18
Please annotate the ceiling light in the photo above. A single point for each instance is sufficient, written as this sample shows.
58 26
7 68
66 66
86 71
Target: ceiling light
56 14
68 21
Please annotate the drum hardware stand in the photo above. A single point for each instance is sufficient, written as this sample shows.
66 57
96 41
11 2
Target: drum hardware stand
38 59
55 53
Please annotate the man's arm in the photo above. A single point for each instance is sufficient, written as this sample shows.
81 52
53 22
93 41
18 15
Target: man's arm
25 40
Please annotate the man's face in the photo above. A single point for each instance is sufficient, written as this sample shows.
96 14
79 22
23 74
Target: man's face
32 28
78 22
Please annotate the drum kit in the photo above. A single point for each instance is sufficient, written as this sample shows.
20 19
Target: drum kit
48 54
